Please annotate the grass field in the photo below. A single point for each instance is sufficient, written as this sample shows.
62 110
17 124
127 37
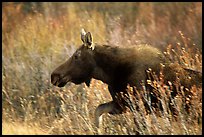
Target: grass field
37 37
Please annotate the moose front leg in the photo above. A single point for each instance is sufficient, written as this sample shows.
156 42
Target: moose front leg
109 107
113 107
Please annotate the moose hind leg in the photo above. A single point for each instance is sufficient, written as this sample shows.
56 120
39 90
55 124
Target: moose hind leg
109 107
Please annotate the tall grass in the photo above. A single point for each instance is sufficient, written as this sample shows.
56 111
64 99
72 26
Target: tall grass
38 37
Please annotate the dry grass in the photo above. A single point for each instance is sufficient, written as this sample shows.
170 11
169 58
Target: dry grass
36 39
18 128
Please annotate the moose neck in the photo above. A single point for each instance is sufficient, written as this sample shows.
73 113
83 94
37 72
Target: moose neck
108 60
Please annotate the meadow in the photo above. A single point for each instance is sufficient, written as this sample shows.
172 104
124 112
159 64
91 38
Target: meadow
38 37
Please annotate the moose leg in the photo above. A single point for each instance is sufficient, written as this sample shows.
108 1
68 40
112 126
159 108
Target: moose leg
109 107
112 92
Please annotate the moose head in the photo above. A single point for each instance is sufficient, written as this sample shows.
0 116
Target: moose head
79 67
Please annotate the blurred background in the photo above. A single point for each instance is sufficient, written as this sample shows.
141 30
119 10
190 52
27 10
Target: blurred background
38 36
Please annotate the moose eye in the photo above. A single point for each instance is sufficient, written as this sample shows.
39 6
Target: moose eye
77 55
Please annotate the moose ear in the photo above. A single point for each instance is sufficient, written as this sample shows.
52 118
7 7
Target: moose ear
89 40
88 81
83 33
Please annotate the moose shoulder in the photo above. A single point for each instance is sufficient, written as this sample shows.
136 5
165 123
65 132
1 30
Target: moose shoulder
115 66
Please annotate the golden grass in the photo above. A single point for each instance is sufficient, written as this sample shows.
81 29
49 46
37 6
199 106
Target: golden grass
19 128
34 43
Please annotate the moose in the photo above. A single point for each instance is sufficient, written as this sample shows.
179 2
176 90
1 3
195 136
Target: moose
117 67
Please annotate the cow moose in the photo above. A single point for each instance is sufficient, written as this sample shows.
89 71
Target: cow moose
117 67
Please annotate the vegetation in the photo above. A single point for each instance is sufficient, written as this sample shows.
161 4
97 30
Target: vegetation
37 37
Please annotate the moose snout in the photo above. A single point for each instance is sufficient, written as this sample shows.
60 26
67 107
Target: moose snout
59 80
55 78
